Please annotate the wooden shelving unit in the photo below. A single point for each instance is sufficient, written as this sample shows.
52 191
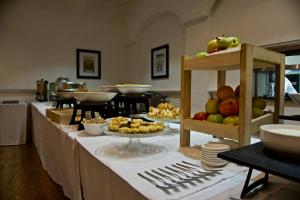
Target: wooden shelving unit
245 58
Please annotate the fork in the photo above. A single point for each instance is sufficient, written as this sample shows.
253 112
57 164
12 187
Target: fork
163 187
168 177
200 172
208 170
175 175
183 174
201 175
160 179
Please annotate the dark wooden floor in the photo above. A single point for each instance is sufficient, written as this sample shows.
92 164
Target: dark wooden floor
23 177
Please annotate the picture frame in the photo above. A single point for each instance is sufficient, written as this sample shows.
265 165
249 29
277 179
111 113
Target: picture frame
160 62
88 64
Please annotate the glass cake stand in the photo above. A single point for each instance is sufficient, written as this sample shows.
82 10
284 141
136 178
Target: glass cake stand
133 149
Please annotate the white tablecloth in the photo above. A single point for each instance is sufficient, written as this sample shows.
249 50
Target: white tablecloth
57 150
74 160
104 177
13 124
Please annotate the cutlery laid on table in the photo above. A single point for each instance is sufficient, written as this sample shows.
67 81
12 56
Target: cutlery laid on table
171 177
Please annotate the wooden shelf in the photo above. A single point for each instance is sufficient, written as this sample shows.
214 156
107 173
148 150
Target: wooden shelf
230 60
225 130
245 58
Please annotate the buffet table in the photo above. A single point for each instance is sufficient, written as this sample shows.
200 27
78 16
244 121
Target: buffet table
57 150
112 178
13 124
77 162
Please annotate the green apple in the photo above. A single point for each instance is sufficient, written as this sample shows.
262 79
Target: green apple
215 118
257 112
211 107
235 41
201 54
231 120
213 45
224 42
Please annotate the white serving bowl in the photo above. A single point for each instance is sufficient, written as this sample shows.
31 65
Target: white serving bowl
295 98
94 129
133 88
281 137
108 88
94 96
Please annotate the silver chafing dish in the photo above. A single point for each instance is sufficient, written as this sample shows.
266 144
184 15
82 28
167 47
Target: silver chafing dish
64 88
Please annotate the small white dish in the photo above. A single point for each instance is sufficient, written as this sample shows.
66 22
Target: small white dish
281 137
94 129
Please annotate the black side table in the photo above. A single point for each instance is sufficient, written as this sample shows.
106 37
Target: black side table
257 157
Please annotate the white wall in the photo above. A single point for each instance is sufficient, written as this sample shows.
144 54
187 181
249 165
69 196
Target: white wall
256 22
39 40
166 30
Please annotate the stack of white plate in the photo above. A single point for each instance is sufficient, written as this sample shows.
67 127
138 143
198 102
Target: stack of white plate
209 154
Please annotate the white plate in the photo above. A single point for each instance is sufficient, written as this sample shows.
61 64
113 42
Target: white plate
212 151
215 147
135 135
94 96
177 120
217 160
132 88
213 164
281 137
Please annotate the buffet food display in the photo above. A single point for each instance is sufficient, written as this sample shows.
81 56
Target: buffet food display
164 111
134 126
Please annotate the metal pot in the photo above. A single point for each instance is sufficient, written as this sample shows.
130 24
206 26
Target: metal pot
41 90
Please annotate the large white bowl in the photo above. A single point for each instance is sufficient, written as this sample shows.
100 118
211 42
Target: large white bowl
295 98
94 129
108 88
133 89
94 96
281 137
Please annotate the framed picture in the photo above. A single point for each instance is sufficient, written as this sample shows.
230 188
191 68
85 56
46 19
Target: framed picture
88 64
160 62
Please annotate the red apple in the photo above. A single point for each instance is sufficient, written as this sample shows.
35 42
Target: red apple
200 116
225 92
229 107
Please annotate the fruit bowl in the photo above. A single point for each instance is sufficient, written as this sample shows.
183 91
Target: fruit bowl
281 138
133 88
94 96
295 98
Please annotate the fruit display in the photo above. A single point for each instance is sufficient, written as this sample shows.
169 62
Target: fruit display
225 108
164 111
219 44
134 126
